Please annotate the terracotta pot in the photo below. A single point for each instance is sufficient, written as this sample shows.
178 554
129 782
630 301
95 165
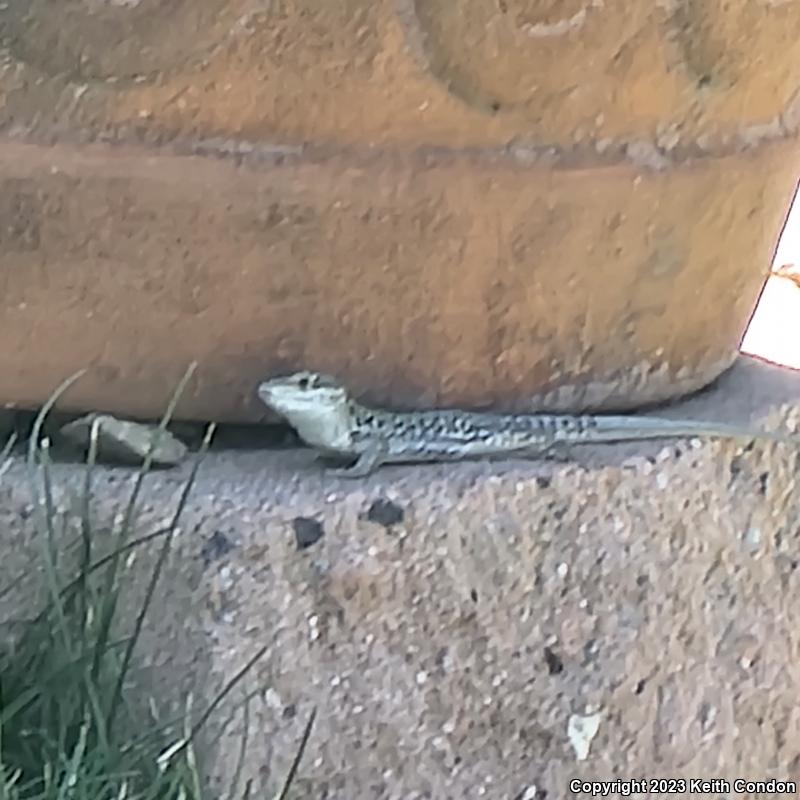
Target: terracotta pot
567 207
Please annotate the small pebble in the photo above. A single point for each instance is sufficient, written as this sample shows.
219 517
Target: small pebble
385 512
581 730
217 546
124 441
752 539
664 454
307 532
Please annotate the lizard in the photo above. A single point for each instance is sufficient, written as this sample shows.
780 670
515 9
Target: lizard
326 416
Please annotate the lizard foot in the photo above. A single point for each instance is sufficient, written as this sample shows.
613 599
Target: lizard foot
348 472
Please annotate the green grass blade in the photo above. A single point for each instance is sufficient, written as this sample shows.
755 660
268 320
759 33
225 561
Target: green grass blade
237 773
50 550
191 759
5 454
298 756
76 583
86 530
33 447
33 442
69 780
159 567
109 593
227 689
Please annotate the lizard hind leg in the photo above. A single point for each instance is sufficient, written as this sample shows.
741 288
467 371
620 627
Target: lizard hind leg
560 452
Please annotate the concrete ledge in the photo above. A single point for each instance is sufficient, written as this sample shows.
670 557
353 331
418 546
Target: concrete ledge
451 620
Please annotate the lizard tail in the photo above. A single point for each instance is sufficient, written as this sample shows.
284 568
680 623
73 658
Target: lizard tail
609 428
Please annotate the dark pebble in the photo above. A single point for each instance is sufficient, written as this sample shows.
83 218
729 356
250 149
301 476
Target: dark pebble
386 513
307 531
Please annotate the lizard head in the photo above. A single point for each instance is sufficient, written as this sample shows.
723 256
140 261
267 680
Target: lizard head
300 390
315 405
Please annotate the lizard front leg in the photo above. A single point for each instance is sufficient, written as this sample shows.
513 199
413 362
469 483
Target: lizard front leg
366 463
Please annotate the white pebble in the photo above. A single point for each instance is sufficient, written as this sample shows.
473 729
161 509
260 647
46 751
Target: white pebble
273 699
580 732
665 454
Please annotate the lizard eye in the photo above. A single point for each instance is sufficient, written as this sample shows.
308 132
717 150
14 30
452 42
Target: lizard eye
303 383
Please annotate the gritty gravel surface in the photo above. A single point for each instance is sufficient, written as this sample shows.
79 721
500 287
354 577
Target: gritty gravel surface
487 629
